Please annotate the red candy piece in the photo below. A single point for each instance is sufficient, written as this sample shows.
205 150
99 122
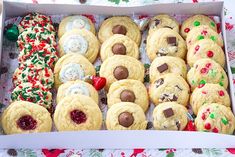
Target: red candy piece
204 70
190 126
210 54
207 126
208 65
221 93
98 82
204 92
215 130
186 30
201 85
204 32
203 116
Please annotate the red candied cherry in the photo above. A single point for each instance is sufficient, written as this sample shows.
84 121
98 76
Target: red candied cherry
186 30
204 70
78 116
190 126
26 122
208 65
221 93
215 130
98 82
210 54
207 126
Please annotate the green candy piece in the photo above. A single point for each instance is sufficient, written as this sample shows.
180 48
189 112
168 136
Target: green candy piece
200 37
212 115
224 121
213 38
221 84
202 82
196 23
213 24
12 33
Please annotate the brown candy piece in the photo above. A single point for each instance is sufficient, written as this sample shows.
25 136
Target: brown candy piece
168 112
175 98
125 119
120 72
162 68
159 82
119 29
171 41
127 96
119 49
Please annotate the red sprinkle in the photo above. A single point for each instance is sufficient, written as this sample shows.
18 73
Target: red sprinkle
186 30
204 32
204 92
215 130
221 93
204 70
207 126
208 65
201 85
210 54
203 116
197 48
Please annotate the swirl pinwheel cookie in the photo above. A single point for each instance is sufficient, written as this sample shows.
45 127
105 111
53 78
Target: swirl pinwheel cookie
170 116
75 22
121 67
81 42
167 64
119 25
72 67
165 42
119 45
25 117
126 116
128 90
206 71
214 117
77 112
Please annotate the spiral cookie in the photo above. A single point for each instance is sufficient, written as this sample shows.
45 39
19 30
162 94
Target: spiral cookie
77 112
121 67
206 71
170 116
203 32
119 45
165 42
72 67
167 64
209 93
77 87
205 48
126 116
75 22
168 88
128 91
195 21
119 25
163 21
214 117
25 117
81 42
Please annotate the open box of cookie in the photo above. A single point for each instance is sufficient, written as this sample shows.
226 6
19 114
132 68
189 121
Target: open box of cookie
114 137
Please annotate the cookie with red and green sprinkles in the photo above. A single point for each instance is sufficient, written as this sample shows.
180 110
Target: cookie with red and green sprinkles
33 92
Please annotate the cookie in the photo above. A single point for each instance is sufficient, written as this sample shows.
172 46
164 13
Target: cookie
119 67
72 67
128 90
167 64
163 21
80 42
25 117
169 88
119 44
77 112
77 87
170 116
205 48
32 92
119 25
126 116
214 117
165 42
195 21
209 93
206 71
203 32
75 22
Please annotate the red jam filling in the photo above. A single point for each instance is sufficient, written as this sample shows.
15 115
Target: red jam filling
78 116
27 123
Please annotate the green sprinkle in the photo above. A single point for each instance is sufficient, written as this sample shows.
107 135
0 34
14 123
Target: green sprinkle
146 66
212 115
23 75
213 38
193 82
221 84
222 77
196 23
27 18
200 37
146 78
213 24
224 121
202 82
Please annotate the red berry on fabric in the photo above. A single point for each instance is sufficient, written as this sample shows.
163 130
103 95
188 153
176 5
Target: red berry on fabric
98 82
210 54
221 93
186 30
207 126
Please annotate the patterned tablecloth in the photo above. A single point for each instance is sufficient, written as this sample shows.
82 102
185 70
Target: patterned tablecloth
198 152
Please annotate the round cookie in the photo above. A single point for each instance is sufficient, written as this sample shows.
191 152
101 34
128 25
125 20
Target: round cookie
214 117
209 93
165 42
126 116
167 64
80 42
128 91
77 87
119 44
26 117
195 21
75 22
169 88
170 116
119 25
205 48
32 92
206 71
163 21
72 67
119 67
77 112
203 32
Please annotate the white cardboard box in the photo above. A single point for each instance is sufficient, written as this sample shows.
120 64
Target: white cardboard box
120 139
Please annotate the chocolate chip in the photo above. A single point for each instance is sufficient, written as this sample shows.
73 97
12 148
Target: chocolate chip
197 150
157 22
177 123
120 72
127 96
171 41
168 27
162 67
159 82
3 70
168 112
12 152
145 41
13 55
125 119
103 101
82 1
119 29
178 87
175 98
149 125
119 49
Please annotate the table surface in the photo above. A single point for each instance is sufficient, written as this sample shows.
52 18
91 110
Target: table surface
226 152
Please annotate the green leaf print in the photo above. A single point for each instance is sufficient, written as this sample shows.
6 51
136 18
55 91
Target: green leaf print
212 152
172 154
118 1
